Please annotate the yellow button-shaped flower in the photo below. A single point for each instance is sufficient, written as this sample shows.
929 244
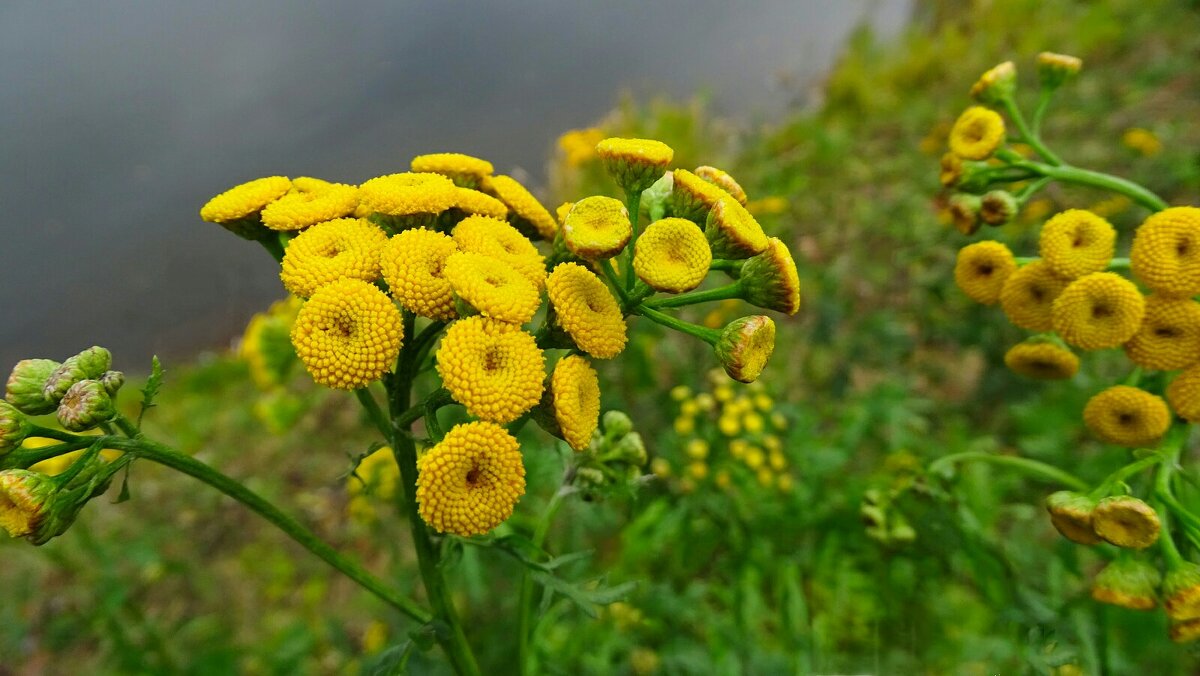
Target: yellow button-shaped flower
977 133
348 334
586 310
981 270
469 482
491 367
344 248
1166 252
1098 311
597 227
1127 416
1028 296
1077 242
672 255
492 287
413 265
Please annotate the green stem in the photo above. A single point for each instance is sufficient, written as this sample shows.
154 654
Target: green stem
525 607
27 457
373 411
727 264
1170 552
635 209
726 292
1044 97
1096 179
163 455
1124 473
270 242
610 275
50 433
1028 135
1032 189
1030 467
709 336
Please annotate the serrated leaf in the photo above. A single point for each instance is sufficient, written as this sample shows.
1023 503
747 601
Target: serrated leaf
392 661
588 600
124 495
150 391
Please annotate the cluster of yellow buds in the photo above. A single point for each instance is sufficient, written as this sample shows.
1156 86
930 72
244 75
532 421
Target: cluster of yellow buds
729 439
454 246
1077 295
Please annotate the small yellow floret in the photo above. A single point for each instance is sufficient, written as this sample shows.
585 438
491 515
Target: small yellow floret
499 240
732 231
462 169
575 391
478 203
348 334
523 204
977 134
413 264
492 368
586 310
469 482
723 181
692 197
1169 337
492 287
1127 416
301 208
1077 242
345 248
672 255
1042 360
1166 252
597 227
1098 311
245 200
408 194
1184 394
634 163
1028 296
981 270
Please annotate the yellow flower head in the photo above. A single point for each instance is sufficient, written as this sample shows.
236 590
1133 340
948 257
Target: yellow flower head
1185 631
964 212
769 280
469 482
634 163
981 270
1054 69
245 200
24 497
977 133
575 396
345 248
1042 359
1169 338
501 241
597 227
951 170
579 145
473 202
562 211
526 209
1127 416
672 255
586 310
413 264
996 84
301 208
732 232
1166 252
492 287
492 367
1142 140
692 197
1071 515
1181 592
464 170
1077 242
723 181
745 346
1126 521
408 194
1128 582
310 184
1098 311
1184 394
348 334
1028 296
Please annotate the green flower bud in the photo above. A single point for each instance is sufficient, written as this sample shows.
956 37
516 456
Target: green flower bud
1071 514
616 424
769 280
634 163
974 177
996 85
87 365
998 207
24 499
1055 69
14 427
630 449
85 405
1126 521
589 477
658 196
1129 583
745 346
112 382
964 212
1181 592
26 384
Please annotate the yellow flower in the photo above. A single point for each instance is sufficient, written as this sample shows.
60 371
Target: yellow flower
1126 521
464 170
660 468
1169 337
1185 631
597 227
1042 359
770 280
634 163
766 478
1028 296
1141 140
1184 394
1128 582
408 194
575 393
492 287
753 423
346 248
768 206
413 264
745 346
698 470
729 425
778 461
562 211
526 209
981 270
1181 591
1098 311
997 83
348 334
1127 416
672 255
786 483
1166 252
586 310
469 482
755 457
310 184
723 181
1071 516
692 197
763 402
301 208
1077 242
732 231
476 203
579 145
772 442
245 200
685 425
951 170
738 448
977 133
681 392
1054 69
492 368
499 240
697 449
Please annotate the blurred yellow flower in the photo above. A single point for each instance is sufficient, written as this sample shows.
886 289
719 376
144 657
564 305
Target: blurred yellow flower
1142 141
579 145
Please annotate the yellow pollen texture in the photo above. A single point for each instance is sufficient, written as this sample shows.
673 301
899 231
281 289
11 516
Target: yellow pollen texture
492 368
469 482
345 248
348 334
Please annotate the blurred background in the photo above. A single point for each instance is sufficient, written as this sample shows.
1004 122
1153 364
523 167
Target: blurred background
791 526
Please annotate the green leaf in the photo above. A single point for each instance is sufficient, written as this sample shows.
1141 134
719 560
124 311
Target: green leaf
588 599
153 384
124 495
390 662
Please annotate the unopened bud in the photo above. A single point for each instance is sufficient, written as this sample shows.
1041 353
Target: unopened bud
745 346
112 382
14 427
631 450
996 84
1129 583
87 365
23 500
616 424
1126 521
998 207
1071 514
769 280
589 477
723 181
1181 592
658 196
964 212
634 163
84 406
1055 69
26 384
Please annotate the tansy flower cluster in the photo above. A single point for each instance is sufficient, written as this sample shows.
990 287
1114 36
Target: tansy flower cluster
452 269
1077 294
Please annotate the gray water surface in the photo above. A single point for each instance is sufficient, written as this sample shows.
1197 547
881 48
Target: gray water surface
119 119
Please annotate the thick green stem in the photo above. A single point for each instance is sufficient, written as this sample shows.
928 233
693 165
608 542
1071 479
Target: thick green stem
1044 97
378 418
1030 467
525 607
1124 473
1028 135
163 455
726 292
635 209
606 268
1096 179
709 336
27 457
51 433
727 264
